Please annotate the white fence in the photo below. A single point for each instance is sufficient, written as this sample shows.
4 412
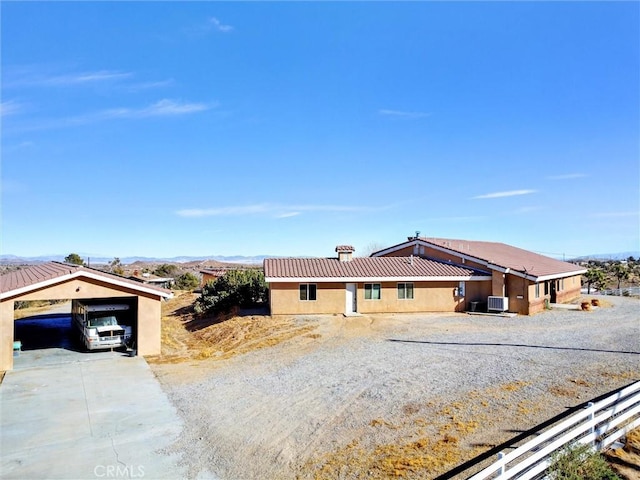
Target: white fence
600 424
627 291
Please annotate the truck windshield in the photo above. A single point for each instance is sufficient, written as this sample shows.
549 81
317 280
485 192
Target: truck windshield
102 321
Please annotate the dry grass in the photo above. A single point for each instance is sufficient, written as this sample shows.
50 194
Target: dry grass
629 375
426 441
602 302
186 336
633 439
560 391
626 461
514 386
580 382
419 457
37 307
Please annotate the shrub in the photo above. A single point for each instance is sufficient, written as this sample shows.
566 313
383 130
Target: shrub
580 462
241 288
165 270
186 281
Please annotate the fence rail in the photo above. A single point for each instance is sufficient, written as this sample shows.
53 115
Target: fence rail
599 424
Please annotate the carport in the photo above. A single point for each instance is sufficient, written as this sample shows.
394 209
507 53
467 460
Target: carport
62 281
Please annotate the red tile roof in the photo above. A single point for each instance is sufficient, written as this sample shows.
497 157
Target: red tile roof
345 248
37 274
364 268
506 256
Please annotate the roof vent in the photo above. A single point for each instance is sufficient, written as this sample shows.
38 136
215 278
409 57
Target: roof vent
345 252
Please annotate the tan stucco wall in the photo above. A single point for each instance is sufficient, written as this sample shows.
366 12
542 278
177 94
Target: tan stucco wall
149 313
285 299
431 252
508 285
569 292
571 289
428 297
208 277
6 335
331 298
498 284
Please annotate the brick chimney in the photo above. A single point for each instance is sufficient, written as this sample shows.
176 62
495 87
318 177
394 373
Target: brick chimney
345 252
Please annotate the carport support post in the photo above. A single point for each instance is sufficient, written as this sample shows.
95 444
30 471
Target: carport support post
6 335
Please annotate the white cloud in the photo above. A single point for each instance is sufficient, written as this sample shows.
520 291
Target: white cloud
510 193
278 211
478 218
614 214
219 26
403 114
223 211
10 107
33 79
136 87
18 146
568 176
528 209
164 107
10 186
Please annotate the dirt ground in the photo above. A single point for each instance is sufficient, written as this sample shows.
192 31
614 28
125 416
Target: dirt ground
379 396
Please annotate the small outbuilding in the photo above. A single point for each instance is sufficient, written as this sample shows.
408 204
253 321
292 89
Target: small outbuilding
62 281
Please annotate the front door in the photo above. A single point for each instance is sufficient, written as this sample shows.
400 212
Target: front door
553 291
351 302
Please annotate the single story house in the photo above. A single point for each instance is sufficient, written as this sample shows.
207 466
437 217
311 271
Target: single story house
421 275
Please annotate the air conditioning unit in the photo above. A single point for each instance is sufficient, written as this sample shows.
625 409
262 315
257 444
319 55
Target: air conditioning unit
498 304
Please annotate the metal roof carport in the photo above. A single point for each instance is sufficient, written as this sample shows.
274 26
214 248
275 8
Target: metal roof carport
62 281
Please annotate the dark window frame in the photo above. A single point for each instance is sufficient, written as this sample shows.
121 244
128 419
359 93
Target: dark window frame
308 292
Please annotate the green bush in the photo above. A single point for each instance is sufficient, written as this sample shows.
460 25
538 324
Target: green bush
236 288
74 259
186 281
165 270
580 462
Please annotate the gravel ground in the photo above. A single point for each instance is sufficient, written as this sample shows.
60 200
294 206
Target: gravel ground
348 400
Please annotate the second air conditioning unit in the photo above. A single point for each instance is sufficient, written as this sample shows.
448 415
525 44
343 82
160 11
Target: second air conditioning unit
498 304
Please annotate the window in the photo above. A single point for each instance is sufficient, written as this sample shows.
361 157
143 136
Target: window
546 288
372 291
461 288
307 291
405 291
561 284
537 290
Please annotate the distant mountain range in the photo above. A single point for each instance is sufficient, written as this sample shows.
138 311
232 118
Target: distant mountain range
256 259
608 256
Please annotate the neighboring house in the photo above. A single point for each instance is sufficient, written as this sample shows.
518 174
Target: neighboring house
149 279
212 274
421 275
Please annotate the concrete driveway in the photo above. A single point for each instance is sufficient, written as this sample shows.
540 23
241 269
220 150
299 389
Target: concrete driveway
89 416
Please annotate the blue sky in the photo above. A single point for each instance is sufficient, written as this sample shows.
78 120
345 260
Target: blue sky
206 128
